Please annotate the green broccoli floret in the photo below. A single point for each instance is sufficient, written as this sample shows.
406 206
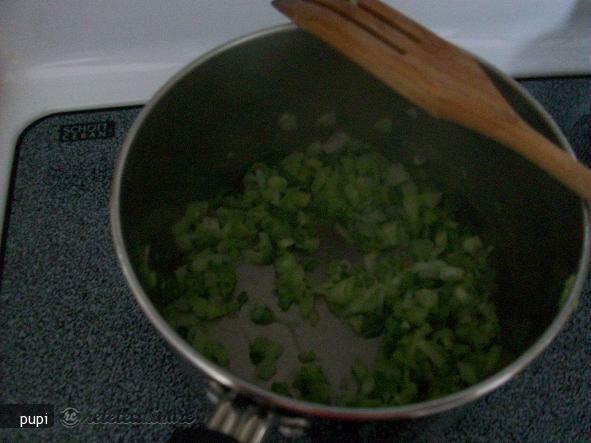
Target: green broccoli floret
264 354
211 350
264 349
312 384
266 370
292 287
261 315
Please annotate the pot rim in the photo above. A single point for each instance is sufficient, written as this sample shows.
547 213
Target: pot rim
294 406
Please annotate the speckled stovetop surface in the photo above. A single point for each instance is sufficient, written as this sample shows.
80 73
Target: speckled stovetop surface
71 334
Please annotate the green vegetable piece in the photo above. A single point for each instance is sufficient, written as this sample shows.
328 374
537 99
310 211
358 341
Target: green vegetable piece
472 244
261 253
433 351
285 243
367 326
429 269
211 350
307 357
422 248
308 244
467 373
262 349
490 360
461 294
430 199
451 273
312 384
441 239
261 315
412 207
396 174
264 354
427 298
445 337
294 200
277 183
266 370
294 166
388 234
292 287
335 142
204 309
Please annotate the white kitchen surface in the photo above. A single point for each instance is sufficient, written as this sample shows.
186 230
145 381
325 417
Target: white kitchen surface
64 55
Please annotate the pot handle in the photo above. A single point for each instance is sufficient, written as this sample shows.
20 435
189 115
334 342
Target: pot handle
244 423
232 421
242 420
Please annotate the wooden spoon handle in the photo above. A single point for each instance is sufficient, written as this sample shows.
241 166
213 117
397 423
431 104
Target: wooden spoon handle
522 138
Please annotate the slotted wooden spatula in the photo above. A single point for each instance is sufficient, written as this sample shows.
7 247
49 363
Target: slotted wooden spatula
431 72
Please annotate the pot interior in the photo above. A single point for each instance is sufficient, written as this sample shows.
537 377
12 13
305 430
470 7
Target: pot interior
221 117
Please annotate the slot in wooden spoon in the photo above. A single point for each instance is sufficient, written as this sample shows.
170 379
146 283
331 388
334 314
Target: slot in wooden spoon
434 74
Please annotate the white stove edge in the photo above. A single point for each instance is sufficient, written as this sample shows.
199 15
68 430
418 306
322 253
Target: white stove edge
57 57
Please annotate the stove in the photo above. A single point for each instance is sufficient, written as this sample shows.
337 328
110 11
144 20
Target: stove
73 78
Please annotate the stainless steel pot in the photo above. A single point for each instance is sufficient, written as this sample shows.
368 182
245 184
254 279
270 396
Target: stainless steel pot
228 101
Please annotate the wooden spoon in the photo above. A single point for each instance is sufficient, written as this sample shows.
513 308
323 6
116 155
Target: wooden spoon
431 72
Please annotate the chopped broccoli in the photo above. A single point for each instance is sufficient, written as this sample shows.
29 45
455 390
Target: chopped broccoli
262 349
292 287
264 354
266 370
261 315
211 350
423 285
312 384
